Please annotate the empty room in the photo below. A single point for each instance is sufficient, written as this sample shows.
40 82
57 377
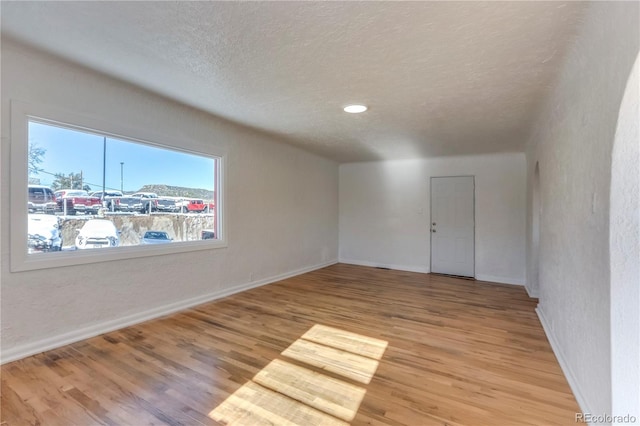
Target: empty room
319 213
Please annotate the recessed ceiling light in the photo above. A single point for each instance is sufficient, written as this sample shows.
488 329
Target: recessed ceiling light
355 109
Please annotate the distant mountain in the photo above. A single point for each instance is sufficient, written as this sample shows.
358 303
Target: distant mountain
177 191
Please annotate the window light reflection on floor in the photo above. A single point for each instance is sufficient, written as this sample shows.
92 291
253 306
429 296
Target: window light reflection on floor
347 364
287 394
347 341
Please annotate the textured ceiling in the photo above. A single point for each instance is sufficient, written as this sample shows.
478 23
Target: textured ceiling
440 78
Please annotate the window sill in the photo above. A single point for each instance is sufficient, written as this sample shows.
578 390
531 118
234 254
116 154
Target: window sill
28 262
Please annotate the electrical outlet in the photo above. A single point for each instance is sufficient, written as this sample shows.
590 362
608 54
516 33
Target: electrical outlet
251 277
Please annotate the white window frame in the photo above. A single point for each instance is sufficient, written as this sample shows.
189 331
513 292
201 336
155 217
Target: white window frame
21 114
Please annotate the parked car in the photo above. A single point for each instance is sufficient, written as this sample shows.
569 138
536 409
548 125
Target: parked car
77 200
62 192
156 237
194 206
41 199
43 233
142 202
106 194
110 199
168 205
208 234
97 233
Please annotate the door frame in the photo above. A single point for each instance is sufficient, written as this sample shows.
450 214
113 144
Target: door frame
431 220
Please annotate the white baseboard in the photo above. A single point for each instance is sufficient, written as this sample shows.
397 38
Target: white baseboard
532 294
568 373
426 270
386 265
500 280
32 348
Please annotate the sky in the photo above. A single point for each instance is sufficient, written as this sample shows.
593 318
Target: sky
70 151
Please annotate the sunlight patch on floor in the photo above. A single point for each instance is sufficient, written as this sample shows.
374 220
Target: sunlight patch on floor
349 365
253 404
347 341
327 394
283 393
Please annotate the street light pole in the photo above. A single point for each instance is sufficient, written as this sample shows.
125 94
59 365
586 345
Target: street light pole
122 177
104 165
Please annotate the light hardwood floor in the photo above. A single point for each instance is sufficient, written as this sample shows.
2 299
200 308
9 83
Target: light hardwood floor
388 348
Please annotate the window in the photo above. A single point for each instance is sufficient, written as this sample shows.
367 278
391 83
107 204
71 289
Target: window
88 195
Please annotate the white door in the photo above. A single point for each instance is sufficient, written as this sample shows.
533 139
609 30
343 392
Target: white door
452 225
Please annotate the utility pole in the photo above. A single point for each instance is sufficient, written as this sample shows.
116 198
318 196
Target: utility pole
122 177
104 165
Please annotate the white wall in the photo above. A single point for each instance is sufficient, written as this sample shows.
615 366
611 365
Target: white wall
625 254
282 214
572 141
384 213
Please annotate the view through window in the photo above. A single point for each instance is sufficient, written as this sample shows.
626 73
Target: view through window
90 191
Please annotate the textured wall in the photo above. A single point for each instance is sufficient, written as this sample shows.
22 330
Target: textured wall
625 254
572 141
385 213
282 211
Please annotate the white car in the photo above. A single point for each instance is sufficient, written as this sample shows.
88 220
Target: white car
97 233
43 233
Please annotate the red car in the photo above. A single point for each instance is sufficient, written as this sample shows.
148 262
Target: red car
75 200
198 206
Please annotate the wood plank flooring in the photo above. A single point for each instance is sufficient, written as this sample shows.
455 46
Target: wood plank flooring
457 352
